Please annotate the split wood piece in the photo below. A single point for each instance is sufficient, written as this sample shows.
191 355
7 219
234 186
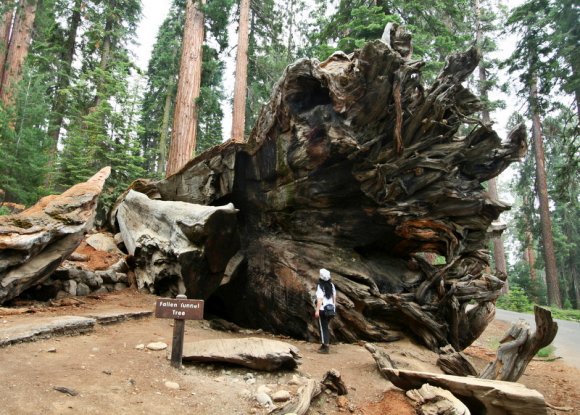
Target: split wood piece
437 401
494 397
382 359
519 346
33 243
455 363
255 353
334 382
300 404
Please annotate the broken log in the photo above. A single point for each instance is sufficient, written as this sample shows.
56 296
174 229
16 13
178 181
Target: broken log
177 247
255 353
301 403
34 242
491 397
437 401
519 346
455 363
354 165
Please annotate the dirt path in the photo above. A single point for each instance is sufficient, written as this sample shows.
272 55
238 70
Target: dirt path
104 372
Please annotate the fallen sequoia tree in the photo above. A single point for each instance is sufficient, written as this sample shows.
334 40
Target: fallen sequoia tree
353 166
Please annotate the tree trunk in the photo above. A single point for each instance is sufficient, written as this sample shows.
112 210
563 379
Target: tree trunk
183 140
498 247
552 282
164 133
5 31
239 107
60 101
18 49
340 173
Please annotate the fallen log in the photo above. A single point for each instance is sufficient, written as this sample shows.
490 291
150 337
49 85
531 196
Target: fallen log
357 167
518 347
455 363
34 242
301 403
177 247
492 397
254 353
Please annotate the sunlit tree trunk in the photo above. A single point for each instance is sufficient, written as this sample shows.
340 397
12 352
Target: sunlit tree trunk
239 109
18 49
188 87
552 282
164 131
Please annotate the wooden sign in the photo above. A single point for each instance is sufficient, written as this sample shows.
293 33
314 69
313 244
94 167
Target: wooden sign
179 309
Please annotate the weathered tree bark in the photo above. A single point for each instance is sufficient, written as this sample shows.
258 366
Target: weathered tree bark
18 49
552 281
519 346
455 363
491 397
355 167
184 130
33 243
437 401
239 107
177 247
255 353
301 404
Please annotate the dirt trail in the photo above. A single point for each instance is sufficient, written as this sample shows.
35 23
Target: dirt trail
109 375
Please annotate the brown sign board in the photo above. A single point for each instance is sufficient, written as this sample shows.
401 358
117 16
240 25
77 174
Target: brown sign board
179 309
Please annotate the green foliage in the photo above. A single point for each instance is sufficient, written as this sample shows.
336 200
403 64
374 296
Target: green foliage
547 351
515 300
570 315
4 211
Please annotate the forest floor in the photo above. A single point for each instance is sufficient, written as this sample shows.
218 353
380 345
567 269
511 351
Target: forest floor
108 371
105 372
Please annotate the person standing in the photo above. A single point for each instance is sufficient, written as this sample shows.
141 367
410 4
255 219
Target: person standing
325 295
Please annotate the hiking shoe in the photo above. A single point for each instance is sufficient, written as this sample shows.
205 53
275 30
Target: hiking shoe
324 349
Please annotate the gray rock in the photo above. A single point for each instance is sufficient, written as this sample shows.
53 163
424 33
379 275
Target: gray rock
83 289
157 346
70 286
171 385
102 242
108 276
281 396
120 286
263 399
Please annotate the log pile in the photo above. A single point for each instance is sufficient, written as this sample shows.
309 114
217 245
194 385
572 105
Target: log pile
357 167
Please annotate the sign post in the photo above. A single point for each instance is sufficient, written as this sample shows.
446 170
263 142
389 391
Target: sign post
179 309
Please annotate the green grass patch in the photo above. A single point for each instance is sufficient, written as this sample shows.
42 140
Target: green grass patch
546 352
571 315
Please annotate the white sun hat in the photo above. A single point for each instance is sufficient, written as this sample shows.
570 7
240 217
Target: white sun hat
324 274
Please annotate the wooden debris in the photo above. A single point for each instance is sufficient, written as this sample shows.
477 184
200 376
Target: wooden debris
334 382
519 346
455 363
497 397
300 404
437 401
252 352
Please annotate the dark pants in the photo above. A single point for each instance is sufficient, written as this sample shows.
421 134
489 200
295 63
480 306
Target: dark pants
323 325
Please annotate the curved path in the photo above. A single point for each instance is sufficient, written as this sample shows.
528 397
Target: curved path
567 341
